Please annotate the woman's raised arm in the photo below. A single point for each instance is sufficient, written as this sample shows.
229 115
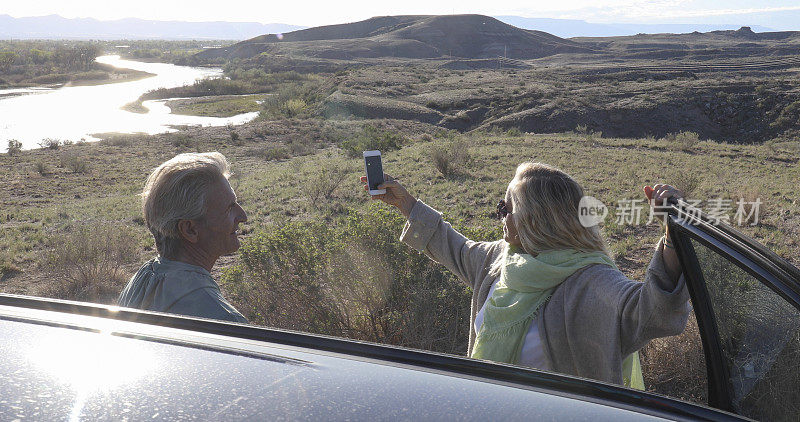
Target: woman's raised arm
427 232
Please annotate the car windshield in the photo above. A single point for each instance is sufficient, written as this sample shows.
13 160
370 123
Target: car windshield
460 106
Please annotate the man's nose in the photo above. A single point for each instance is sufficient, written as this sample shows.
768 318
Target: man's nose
242 214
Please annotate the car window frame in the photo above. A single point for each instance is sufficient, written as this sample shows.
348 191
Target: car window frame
687 223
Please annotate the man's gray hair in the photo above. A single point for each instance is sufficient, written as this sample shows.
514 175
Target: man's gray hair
175 191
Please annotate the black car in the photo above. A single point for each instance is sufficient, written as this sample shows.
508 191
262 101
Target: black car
79 361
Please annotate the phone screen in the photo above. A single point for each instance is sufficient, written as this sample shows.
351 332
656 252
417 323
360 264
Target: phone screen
374 171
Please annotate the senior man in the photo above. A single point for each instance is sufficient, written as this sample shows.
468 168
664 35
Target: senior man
191 210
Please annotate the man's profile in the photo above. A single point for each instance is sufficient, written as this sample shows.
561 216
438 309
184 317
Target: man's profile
191 210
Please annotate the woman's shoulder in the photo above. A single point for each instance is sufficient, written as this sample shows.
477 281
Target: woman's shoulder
596 286
598 270
597 275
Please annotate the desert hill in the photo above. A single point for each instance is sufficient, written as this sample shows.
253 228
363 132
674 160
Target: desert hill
415 37
468 72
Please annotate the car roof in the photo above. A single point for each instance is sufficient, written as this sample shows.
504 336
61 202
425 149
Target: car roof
67 359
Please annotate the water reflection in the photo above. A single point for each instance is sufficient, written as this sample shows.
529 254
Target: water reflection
75 113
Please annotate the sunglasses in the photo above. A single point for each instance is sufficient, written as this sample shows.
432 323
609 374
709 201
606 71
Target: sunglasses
502 210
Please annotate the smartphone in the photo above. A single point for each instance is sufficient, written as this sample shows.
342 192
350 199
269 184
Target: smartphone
374 169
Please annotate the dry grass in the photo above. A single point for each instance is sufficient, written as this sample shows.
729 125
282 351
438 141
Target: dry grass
752 205
88 262
675 366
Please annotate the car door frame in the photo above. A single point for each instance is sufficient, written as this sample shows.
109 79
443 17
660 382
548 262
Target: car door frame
687 223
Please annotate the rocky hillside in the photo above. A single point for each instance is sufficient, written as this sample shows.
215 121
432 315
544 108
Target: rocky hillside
414 37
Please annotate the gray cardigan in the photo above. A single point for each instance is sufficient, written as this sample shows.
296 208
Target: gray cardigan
595 318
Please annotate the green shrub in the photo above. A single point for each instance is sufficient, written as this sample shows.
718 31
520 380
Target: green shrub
14 147
75 163
235 138
514 131
42 168
293 99
683 141
372 138
451 158
118 141
184 142
788 116
293 107
783 146
688 182
687 140
351 278
8 269
269 153
328 176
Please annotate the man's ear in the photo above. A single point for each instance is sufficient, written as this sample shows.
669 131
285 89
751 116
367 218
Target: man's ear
188 230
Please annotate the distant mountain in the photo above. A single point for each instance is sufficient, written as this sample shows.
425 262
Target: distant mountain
54 27
462 36
569 28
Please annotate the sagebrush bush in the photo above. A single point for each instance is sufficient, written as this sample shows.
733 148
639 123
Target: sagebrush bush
14 147
352 278
295 99
88 261
788 116
50 143
42 168
372 138
118 141
686 181
683 141
184 142
687 140
235 138
451 157
8 268
514 131
75 163
293 107
269 153
328 175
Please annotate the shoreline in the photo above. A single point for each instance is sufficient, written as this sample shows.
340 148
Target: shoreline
112 77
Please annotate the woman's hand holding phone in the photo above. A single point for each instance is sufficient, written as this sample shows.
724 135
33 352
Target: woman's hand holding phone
395 195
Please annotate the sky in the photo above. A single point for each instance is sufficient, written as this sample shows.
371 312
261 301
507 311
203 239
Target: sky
313 13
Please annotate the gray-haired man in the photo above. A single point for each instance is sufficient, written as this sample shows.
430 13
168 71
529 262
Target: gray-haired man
191 210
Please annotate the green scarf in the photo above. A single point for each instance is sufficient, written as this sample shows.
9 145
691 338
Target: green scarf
526 283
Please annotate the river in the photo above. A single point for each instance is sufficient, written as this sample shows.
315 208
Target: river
79 112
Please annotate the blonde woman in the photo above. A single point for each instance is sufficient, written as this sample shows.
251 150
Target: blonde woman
548 295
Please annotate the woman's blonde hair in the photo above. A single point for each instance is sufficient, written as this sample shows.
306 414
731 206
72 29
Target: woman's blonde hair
177 190
545 203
